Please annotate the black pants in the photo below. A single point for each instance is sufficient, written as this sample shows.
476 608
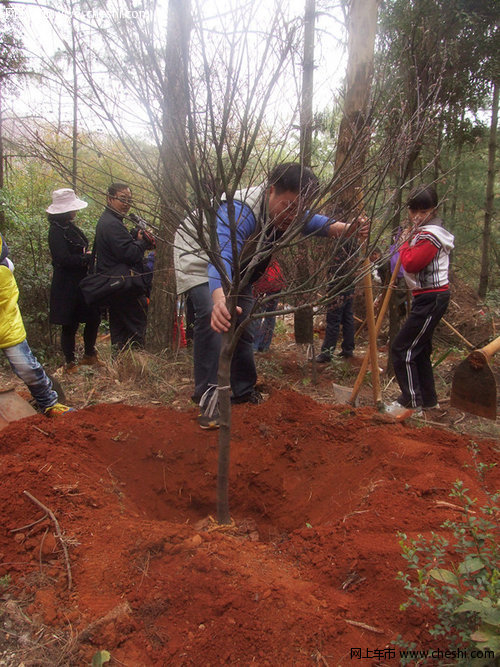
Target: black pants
340 313
127 321
412 348
68 333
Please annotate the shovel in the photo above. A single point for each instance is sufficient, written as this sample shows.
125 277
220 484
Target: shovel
474 388
13 407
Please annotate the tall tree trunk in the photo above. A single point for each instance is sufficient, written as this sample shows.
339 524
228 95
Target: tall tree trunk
456 176
490 194
354 137
74 165
306 108
162 310
303 319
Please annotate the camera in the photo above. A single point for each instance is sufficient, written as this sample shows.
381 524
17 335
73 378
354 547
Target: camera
141 226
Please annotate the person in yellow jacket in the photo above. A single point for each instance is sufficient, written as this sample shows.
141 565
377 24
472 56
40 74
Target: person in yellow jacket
15 346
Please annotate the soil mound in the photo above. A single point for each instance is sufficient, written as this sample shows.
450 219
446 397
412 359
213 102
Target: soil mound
308 571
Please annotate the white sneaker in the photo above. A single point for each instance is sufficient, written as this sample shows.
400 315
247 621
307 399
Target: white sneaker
399 411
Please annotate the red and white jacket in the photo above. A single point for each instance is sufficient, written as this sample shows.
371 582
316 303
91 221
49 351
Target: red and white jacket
425 258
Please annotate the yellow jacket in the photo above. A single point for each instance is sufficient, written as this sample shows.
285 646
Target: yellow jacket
12 331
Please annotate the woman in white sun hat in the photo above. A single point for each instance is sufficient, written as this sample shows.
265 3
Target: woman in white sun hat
71 259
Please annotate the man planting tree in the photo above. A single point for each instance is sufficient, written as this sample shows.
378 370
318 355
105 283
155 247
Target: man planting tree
249 227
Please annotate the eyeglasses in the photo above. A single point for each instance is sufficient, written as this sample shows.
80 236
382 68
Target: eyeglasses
124 200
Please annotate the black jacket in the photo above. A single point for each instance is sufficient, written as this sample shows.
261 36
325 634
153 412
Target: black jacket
115 246
68 246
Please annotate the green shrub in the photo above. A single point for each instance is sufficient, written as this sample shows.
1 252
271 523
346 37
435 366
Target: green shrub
459 578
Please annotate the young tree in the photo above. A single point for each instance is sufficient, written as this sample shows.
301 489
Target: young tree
239 113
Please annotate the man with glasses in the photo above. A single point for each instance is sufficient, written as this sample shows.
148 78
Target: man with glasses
118 253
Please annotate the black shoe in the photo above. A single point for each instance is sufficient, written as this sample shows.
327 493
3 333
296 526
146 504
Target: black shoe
253 396
347 355
209 423
323 358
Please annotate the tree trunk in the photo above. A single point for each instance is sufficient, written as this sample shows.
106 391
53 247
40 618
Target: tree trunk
490 194
224 381
74 165
354 135
306 108
162 310
303 319
452 218
353 141
303 327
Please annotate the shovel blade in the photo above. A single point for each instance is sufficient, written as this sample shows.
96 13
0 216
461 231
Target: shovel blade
13 407
474 390
342 394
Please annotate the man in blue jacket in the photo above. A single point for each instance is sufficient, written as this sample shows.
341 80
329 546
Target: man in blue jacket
263 215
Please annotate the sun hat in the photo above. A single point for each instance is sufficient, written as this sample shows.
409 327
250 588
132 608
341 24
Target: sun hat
64 201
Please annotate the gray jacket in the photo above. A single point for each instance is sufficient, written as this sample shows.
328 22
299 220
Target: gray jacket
190 261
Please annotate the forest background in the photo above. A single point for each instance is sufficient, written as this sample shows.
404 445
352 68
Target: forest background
182 98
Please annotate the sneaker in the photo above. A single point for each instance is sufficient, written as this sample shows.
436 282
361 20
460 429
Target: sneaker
57 409
91 360
436 406
71 367
399 411
323 358
208 423
346 355
253 396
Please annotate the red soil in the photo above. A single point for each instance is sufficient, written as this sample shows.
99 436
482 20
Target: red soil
318 495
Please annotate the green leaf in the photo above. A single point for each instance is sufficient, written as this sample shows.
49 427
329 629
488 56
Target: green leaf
444 576
487 639
100 658
471 564
473 605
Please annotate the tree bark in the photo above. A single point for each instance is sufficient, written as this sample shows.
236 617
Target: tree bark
74 147
354 135
303 319
490 195
306 108
162 310
224 381
353 141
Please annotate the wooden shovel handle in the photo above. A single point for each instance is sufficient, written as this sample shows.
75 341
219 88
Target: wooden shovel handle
378 326
490 349
372 334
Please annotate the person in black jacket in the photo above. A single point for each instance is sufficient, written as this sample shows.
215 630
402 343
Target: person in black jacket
118 253
340 310
71 259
